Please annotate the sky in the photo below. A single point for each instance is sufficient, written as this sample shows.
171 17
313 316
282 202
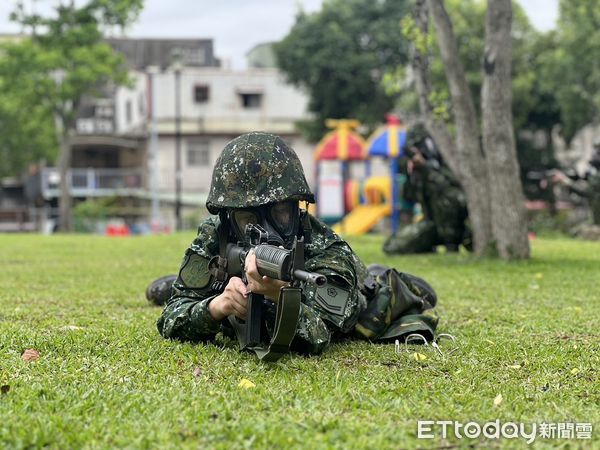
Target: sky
235 25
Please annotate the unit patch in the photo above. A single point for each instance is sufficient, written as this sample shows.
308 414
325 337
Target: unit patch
194 272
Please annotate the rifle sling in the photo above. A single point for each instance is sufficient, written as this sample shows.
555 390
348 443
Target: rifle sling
286 320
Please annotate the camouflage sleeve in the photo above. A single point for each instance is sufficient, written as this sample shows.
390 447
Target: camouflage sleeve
340 301
188 319
337 305
186 316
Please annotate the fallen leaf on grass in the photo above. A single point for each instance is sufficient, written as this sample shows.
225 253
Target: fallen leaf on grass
246 384
574 370
419 356
4 389
71 328
197 371
30 355
498 400
516 366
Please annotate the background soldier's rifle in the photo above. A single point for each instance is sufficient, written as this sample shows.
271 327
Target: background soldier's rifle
280 264
541 175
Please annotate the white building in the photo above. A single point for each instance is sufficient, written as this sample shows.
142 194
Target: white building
113 152
217 105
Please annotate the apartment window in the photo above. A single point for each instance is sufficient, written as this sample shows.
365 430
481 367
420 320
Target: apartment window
251 100
201 93
198 153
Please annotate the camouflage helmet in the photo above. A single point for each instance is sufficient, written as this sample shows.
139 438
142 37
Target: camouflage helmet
416 135
256 169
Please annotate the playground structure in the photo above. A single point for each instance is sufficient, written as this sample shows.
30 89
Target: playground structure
358 205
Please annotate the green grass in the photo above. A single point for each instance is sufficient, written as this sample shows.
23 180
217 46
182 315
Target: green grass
106 379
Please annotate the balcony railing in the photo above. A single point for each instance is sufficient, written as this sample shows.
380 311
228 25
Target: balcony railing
94 182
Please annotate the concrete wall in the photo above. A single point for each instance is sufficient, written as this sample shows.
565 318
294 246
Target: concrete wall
196 179
222 117
137 99
223 112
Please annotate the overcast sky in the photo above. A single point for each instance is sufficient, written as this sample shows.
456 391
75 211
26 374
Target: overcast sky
236 25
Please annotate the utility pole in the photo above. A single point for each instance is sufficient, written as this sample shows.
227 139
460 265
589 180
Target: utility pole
153 166
177 69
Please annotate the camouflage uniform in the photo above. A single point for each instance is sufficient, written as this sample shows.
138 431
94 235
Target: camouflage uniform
442 200
589 189
379 306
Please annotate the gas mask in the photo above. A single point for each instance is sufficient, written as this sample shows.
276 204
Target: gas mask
280 220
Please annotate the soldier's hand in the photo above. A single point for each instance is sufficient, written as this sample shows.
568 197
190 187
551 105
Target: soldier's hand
259 284
417 159
233 300
560 178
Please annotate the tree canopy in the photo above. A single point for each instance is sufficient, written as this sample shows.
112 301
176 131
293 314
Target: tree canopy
572 69
26 125
64 60
339 55
46 74
530 100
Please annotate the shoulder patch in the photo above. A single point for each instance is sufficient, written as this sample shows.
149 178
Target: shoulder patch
332 299
194 272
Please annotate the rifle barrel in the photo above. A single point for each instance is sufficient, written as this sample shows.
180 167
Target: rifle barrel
310 277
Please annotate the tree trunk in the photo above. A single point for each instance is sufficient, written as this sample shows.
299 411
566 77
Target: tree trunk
420 64
472 165
509 226
64 163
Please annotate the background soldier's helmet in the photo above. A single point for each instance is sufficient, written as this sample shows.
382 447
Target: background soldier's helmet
256 169
416 135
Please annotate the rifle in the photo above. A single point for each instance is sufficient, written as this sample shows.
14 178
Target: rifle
539 175
280 264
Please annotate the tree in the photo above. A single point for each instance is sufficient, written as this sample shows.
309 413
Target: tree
509 223
339 55
572 70
534 102
66 60
26 126
492 160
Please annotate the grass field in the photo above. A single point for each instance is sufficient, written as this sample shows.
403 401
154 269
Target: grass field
527 350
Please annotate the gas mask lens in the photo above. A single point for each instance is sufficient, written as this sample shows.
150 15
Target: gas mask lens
243 217
280 220
282 217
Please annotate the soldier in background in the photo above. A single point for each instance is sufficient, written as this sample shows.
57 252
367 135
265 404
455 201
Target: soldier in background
588 187
259 179
430 183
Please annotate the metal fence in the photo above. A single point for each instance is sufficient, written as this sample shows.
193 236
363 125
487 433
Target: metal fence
94 182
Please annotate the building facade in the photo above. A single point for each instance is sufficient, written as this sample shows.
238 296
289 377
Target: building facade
180 105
